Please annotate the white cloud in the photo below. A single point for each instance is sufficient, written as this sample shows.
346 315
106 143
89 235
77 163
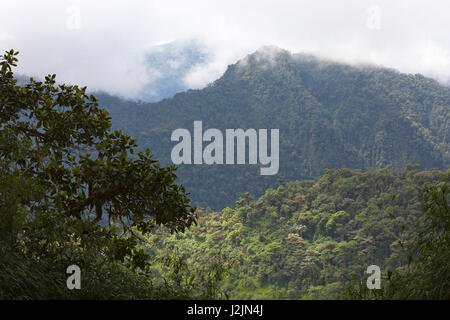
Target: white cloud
105 48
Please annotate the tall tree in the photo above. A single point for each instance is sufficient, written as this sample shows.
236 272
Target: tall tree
67 171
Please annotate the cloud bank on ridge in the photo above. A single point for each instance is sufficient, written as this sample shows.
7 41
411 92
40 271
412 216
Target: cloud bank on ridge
103 44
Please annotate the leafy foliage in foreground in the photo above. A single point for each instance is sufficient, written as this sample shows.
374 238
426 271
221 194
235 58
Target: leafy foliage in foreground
74 192
308 239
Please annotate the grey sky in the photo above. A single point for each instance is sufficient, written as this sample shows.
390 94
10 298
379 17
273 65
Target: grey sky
102 44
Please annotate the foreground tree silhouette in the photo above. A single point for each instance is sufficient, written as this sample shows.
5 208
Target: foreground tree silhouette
66 178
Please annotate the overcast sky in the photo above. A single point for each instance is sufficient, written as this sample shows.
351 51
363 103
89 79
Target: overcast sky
102 44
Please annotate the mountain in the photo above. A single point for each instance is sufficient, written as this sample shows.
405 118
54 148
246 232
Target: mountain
329 115
168 64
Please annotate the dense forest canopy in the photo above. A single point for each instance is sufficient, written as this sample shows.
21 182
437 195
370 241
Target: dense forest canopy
73 191
330 115
309 239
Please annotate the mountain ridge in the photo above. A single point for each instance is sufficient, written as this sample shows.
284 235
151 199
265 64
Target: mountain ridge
330 115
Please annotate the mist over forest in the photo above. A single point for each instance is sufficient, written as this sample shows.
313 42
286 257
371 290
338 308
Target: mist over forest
199 152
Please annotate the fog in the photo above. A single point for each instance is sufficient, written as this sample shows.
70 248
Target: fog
102 44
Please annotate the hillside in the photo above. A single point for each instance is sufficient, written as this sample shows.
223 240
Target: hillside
330 115
307 239
122 218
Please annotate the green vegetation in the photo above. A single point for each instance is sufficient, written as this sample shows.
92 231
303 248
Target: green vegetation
74 192
330 115
309 239
427 273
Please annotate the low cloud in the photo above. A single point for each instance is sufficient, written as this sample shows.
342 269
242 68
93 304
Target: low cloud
103 44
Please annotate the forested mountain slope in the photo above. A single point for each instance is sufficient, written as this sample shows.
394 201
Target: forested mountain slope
330 115
307 239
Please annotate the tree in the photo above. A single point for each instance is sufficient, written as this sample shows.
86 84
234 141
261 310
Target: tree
74 180
429 276
426 276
